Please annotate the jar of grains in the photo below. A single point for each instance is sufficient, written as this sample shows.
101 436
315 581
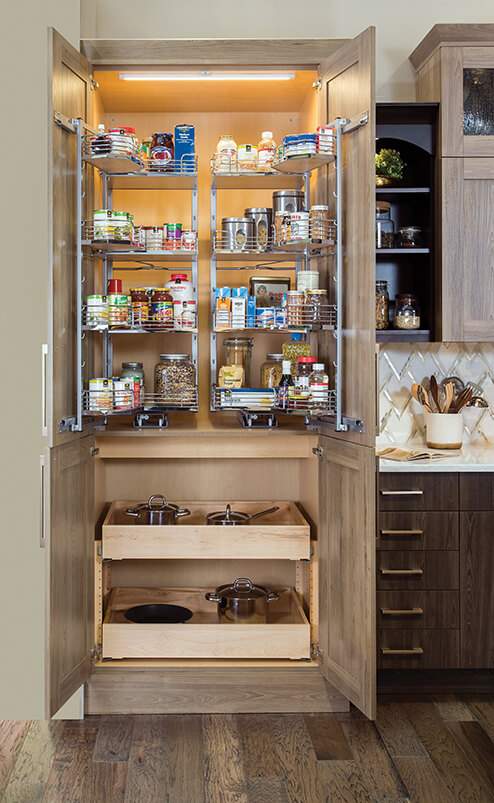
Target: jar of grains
382 305
407 313
175 380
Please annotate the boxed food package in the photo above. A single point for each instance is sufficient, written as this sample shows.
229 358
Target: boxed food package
185 146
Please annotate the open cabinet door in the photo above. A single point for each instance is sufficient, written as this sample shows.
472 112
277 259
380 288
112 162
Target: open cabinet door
69 100
347 458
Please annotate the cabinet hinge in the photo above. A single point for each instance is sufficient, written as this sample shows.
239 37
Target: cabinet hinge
318 451
64 122
317 84
93 451
93 84
315 650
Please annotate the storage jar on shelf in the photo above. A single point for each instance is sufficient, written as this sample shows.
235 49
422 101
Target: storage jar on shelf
174 380
407 312
410 237
271 371
238 351
382 305
225 158
385 228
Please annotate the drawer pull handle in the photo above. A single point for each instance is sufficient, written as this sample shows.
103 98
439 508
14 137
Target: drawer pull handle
402 493
402 611
409 651
415 572
402 532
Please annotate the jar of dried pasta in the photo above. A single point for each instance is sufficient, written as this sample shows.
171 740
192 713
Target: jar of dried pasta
382 305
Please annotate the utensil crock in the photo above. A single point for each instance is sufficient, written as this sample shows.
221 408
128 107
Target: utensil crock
444 430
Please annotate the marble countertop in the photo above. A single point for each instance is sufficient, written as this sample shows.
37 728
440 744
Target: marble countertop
471 458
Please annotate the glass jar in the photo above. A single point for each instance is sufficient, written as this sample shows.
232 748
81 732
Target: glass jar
295 300
319 223
317 300
271 371
225 158
238 351
410 237
305 367
174 380
382 305
161 309
139 301
407 313
134 371
385 228
294 348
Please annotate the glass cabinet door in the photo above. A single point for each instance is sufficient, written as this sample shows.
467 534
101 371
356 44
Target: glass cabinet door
478 101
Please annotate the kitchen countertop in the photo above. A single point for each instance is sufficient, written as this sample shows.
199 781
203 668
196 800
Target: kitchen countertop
471 458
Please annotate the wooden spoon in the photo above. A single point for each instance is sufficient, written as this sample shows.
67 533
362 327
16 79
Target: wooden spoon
423 398
435 393
449 392
462 400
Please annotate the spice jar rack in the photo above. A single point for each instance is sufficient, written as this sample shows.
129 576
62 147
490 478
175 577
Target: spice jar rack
120 170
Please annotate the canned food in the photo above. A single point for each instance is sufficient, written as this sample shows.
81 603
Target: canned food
189 240
97 312
123 394
118 311
101 395
299 226
113 226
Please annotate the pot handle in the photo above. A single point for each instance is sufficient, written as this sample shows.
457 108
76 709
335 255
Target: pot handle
182 511
243 584
154 504
263 513
132 512
272 596
212 596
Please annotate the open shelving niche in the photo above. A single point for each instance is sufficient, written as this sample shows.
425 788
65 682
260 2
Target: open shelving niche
288 173
118 173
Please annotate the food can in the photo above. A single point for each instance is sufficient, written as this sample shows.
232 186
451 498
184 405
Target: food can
173 231
101 395
118 310
189 240
97 312
307 280
123 393
299 226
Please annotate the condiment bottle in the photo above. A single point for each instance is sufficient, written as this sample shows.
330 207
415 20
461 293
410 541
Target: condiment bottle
319 387
266 152
286 382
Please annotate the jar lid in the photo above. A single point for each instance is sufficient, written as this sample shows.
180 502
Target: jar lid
132 365
236 220
288 193
410 228
306 360
319 208
276 357
176 357
238 341
383 206
182 276
125 129
319 292
258 210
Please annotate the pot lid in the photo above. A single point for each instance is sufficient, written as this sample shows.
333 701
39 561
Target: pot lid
155 502
219 516
242 588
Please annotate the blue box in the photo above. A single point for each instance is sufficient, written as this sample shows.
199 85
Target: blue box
185 147
251 312
240 292
222 292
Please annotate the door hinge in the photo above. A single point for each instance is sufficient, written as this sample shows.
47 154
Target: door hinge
95 652
93 451
318 451
93 83
317 84
315 650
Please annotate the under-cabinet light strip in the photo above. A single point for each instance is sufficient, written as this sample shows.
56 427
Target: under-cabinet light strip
205 75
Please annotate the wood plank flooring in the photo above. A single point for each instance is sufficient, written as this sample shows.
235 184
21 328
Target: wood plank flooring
427 750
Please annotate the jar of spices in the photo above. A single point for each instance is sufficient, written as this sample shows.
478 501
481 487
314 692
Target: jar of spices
382 305
139 305
407 313
175 380
295 300
161 309
271 371
385 228
319 222
317 300
410 237
238 351
305 367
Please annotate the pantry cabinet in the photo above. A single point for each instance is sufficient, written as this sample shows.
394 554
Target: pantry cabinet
322 629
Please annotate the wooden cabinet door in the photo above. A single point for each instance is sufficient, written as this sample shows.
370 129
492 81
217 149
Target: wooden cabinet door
71 584
476 593
70 99
347 91
347 550
467 249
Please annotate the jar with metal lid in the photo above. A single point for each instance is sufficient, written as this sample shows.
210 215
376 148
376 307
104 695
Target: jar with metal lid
262 218
139 305
238 351
271 371
304 370
288 201
410 237
237 233
382 305
295 300
134 371
161 309
407 313
174 380
385 228
317 301
319 222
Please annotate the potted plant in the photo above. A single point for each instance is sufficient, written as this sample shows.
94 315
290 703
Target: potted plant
389 167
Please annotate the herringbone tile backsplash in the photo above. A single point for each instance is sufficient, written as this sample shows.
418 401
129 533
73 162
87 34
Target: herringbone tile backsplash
401 417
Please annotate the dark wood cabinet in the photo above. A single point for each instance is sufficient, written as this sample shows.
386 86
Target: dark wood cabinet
418 530
477 589
418 491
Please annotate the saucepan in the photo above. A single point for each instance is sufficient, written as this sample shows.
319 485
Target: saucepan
242 602
232 518
157 511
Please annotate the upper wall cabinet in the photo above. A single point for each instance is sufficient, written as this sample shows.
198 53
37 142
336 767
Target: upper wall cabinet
455 65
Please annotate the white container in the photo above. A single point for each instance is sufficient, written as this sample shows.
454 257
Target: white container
308 280
225 158
444 430
180 288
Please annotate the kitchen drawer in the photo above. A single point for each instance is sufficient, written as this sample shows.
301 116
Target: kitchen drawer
477 491
412 610
414 491
414 569
418 530
418 649
285 635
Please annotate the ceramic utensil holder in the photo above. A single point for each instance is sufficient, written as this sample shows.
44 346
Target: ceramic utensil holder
444 430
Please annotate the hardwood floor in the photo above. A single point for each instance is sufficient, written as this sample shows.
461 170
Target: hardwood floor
432 750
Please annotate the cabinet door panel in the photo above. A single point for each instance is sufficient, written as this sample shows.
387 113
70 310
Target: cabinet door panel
70 97
477 491
71 622
347 91
477 596
347 570
468 251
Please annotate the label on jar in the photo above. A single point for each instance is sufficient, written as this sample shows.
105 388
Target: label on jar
319 392
265 157
162 313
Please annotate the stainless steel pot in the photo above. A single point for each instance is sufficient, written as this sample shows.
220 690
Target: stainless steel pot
242 602
231 518
157 511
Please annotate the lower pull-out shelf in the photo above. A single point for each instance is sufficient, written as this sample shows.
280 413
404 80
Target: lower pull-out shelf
285 635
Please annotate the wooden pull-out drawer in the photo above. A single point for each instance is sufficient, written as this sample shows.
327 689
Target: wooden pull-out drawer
418 530
398 610
477 491
434 570
285 635
418 649
415 491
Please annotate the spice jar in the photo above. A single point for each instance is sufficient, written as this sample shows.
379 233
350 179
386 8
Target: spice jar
139 301
295 300
382 305
271 371
174 380
410 237
407 313
317 300
385 228
161 309
238 351
134 372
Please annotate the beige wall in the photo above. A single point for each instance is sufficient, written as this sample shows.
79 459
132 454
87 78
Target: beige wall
24 259
400 26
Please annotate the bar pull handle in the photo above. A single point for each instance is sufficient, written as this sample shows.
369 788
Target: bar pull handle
402 611
402 532
44 417
407 651
416 492
42 506
397 572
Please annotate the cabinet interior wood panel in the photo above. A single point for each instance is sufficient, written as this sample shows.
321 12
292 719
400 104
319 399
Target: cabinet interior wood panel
477 597
418 530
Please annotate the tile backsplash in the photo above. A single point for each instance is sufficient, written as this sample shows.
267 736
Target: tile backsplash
401 417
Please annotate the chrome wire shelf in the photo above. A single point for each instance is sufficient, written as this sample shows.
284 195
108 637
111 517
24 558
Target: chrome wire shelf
320 242
118 319
124 158
266 400
302 317
110 402
131 250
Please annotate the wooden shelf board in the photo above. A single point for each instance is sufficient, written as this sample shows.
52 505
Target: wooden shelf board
403 335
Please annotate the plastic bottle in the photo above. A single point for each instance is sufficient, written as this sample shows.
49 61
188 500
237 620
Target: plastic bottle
286 382
319 387
266 152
